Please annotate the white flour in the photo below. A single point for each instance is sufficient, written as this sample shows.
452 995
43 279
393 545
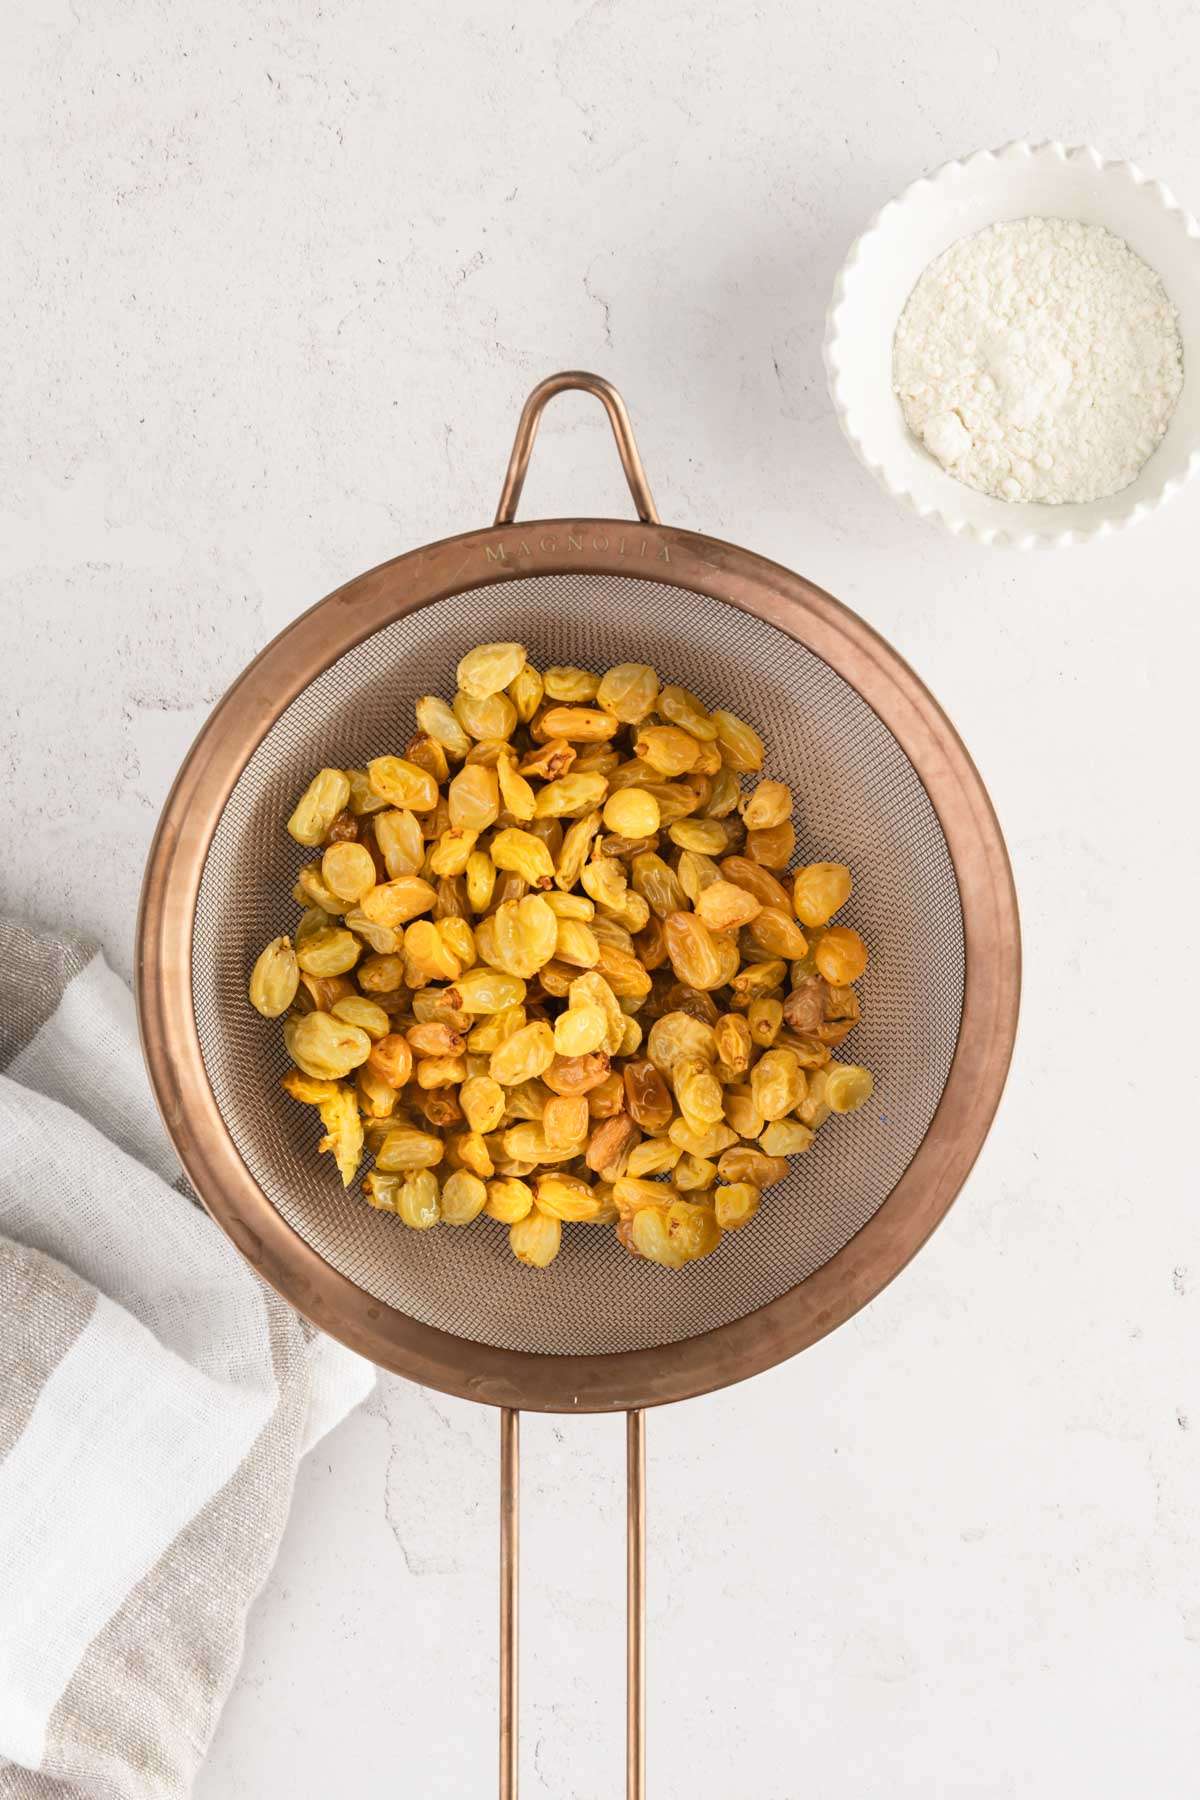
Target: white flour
1039 360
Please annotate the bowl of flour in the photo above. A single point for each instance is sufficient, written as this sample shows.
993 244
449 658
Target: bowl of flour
1010 342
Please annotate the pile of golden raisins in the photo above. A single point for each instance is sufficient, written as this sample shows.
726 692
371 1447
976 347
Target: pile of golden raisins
548 967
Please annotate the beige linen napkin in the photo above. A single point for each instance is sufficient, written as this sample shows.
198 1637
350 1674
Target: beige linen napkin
155 1398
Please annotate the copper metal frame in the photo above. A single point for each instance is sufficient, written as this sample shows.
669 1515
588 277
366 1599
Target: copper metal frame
635 1379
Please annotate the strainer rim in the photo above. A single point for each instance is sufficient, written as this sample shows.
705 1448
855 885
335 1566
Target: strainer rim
917 1202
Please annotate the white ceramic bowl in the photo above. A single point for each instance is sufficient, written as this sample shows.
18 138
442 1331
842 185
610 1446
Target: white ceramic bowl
883 267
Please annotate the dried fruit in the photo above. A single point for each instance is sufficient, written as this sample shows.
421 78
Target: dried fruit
705 837
579 1030
535 1239
526 960
569 906
520 937
565 1121
734 1043
819 890
391 1059
776 932
804 1007
571 796
741 1109
427 955
676 1035
847 1087
607 1098
348 870
403 784
698 1091
492 718
759 978
482 1102
772 848
381 1191
464 1197
765 1020
489 668
274 979
385 940
756 880
628 692
508 1199
356 1009
404 1147
667 749
576 844
744 1163
363 798
527 1053
610 1144
840 955
330 950
576 1074
400 842
724 906
623 972
523 854
418 1200
474 798
566 1197
785 1137
778 1084
578 724
308 1088
325 1047
549 761
437 721
525 691
649 1237
576 944
327 794
632 812
692 1229
736 1204
683 708
696 872
570 684
343 1138
741 747
658 883
376 1098
605 881
842 1010
769 804
694 953
653 1156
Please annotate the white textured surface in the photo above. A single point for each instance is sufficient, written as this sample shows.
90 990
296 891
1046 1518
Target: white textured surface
276 280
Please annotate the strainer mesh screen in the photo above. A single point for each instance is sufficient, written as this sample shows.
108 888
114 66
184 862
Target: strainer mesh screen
859 801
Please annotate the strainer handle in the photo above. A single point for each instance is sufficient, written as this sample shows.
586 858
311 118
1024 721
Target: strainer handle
635 1606
510 1558
622 429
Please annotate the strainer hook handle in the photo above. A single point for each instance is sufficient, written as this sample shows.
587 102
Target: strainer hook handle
510 1561
622 429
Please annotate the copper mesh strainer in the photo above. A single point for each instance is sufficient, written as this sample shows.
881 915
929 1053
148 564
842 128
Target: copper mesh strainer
883 784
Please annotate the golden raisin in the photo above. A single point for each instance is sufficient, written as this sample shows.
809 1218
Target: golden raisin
840 955
274 980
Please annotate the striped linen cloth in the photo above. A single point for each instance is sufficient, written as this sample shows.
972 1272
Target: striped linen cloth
155 1398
